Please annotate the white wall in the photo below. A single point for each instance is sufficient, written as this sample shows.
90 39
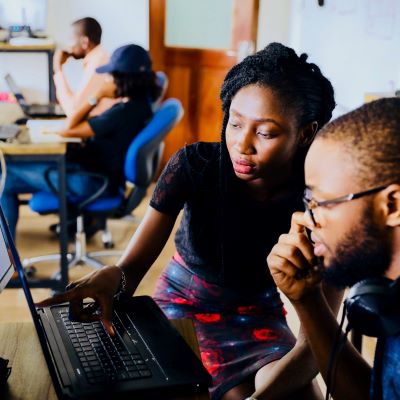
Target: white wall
123 21
355 42
273 22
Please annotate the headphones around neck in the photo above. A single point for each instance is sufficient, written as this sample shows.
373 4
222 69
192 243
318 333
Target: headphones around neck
373 307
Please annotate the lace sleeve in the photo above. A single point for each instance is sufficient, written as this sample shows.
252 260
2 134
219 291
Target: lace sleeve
172 187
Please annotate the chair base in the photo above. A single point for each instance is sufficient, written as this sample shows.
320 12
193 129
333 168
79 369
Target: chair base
81 256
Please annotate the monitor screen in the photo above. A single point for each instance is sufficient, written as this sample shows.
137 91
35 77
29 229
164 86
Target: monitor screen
6 266
23 12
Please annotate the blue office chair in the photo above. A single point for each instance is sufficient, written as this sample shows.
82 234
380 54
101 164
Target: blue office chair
141 164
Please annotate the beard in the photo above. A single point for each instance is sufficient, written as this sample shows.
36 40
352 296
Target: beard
363 253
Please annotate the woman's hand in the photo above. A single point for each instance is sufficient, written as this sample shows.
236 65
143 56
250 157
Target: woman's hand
101 286
292 262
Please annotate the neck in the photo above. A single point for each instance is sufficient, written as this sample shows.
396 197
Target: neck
393 271
90 47
274 186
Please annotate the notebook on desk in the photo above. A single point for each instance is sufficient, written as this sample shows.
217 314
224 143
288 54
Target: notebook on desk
46 131
146 359
51 110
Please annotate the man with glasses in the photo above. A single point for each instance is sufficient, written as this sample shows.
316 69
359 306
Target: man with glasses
350 233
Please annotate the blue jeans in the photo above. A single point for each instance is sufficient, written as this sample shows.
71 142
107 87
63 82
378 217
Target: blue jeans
29 177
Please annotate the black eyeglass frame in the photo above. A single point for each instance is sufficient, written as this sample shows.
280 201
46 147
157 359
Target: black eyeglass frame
311 204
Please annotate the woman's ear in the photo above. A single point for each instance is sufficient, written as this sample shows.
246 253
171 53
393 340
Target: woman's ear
392 205
307 133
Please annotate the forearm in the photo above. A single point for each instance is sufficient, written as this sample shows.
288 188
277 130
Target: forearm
353 374
64 94
145 246
79 115
292 372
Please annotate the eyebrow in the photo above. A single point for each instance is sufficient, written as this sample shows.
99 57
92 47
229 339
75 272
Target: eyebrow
256 119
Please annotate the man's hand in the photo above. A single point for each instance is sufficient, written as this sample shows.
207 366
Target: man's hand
292 262
60 58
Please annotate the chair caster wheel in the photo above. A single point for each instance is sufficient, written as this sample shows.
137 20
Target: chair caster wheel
30 272
109 245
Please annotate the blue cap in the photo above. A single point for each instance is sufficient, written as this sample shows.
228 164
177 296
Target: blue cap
129 59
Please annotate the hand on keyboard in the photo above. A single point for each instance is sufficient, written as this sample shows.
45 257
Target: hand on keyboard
101 286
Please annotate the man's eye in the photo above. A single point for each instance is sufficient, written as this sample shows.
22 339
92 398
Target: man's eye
234 124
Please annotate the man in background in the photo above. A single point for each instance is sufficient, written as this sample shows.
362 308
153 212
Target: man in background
84 44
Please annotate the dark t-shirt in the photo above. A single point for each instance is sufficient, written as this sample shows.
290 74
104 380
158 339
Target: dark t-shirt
113 132
386 373
251 228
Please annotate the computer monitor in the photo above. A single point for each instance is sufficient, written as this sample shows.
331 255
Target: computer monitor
6 266
23 12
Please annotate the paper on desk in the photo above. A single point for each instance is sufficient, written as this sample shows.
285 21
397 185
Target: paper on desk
28 41
45 131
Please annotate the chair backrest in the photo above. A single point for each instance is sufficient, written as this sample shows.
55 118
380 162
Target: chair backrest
144 154
162 81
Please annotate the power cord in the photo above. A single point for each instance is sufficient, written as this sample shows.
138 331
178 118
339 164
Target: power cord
338 345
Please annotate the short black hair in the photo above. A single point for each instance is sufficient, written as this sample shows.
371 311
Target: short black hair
141 84
370 135
90 28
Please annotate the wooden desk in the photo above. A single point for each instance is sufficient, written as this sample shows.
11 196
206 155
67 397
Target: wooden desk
23 151
47 49
30 378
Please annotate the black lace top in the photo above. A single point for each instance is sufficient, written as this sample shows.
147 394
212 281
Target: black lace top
251 228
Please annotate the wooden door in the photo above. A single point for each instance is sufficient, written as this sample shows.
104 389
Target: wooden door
196 74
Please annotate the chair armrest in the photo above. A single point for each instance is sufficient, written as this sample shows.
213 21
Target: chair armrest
102 178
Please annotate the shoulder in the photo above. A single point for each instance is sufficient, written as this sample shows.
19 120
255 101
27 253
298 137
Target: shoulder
201 156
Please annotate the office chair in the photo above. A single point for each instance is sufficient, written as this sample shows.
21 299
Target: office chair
141 164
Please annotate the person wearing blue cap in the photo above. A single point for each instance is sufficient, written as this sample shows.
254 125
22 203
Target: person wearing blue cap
106 137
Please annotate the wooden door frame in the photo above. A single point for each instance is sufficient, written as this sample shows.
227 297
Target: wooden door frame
188 56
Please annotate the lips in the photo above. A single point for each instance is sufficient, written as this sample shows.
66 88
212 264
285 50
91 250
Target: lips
243 166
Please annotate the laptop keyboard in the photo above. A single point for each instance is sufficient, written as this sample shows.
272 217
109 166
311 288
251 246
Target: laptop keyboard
104 357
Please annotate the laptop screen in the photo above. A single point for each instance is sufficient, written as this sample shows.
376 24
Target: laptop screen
10 262
6 266
15 90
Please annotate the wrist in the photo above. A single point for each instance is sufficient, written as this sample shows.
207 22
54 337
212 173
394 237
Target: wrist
309 298
93 100
132 281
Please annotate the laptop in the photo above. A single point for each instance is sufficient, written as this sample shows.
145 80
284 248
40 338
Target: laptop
147 358
9 131
52 110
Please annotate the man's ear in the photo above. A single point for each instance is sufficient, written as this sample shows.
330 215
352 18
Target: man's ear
391 205
84 42
307 133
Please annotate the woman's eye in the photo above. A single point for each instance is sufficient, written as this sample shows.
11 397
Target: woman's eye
234 124
267 135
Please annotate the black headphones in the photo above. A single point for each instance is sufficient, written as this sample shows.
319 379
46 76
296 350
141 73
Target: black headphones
373 307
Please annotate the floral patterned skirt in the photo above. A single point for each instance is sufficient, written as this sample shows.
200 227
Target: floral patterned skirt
238 332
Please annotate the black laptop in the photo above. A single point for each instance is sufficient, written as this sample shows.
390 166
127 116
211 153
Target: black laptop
33 110
146 359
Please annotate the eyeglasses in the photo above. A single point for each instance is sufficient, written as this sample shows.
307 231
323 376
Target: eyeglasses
311 204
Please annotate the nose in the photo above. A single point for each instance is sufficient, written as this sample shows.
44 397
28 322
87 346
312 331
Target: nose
244 144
